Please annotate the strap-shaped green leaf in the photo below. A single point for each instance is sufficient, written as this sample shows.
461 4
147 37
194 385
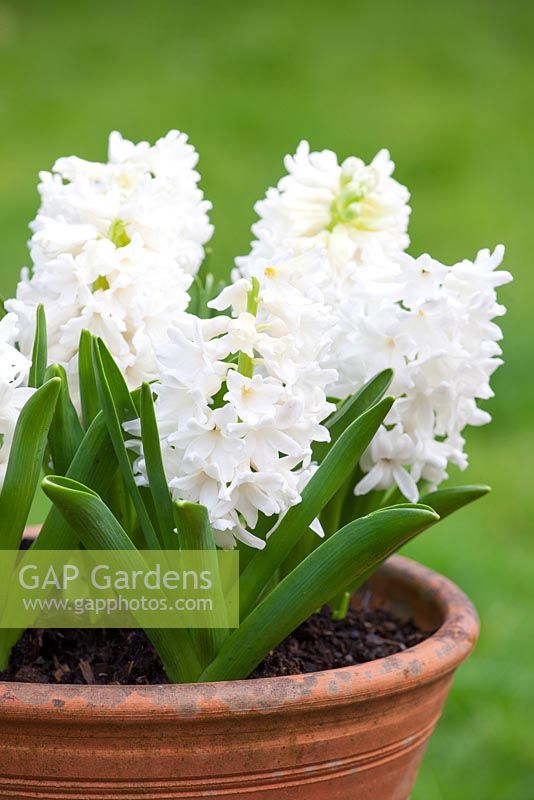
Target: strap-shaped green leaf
195 533
203 289
193 526
339 560
339 462
373 391
66 432
446 501
118 407
36 375
98 529
25 462
85 511
94 465
155 471
87 380
443 501
195 294
120 393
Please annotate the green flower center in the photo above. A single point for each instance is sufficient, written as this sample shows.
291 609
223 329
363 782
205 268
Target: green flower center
100 283
344 209
119 237
117 234
348 207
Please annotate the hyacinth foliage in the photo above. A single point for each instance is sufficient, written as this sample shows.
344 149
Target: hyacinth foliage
98 503
290 414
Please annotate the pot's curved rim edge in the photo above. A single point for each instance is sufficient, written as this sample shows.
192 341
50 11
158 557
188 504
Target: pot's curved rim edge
434 658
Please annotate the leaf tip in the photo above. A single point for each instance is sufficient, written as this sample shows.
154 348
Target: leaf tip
388 400
53 384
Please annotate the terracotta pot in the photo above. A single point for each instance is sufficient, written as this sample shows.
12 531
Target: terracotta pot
357 732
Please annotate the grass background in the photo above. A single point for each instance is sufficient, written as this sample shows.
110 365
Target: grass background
448 87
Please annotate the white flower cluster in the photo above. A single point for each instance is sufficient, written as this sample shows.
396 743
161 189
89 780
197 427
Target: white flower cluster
241 398
357 212
14 368
114 248
432 324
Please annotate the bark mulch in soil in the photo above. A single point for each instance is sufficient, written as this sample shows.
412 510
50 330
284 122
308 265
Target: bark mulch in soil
127 656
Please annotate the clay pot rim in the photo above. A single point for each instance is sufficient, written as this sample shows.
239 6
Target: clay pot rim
432 659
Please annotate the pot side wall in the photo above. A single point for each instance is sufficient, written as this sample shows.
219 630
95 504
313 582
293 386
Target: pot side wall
357 732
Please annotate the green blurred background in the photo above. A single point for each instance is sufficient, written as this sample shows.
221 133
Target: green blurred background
448 88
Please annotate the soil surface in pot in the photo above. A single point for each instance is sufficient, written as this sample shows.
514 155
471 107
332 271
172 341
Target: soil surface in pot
127 656
324 643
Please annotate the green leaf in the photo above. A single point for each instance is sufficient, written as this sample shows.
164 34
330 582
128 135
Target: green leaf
25 463
339 462
98 529
203 289
118 500
353 550
443 501
118 407
87 380
66 432
195 295
352 408
118 387
93 465
195 533
446 501
85 511
135 394
36 375
342 606
156 474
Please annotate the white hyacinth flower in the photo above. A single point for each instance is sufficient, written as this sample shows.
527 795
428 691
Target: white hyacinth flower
432 324
358 212
114 249
242 398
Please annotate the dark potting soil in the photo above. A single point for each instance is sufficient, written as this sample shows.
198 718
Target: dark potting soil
127 656
324 643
